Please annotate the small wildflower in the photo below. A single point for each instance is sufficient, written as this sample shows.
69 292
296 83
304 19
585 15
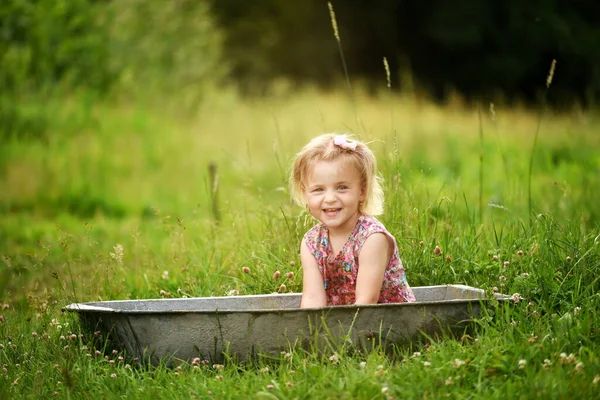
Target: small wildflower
276 275
233 292
502 278
363 364
384 389
567 359
196 361
264 369
506 263
495 258
98 352
568 259
66 347
165 275
495 289
62 337
532 339
219 377
449 382
437 250
289 275
416 354
115 352
34 334
176 373
522 363
118 254
526 274
576 310
73 337
120 358
457 363
289 384
520 252
426 364
292 263
516 297
334 359
246 270
547 363
421 244
579 366
448 260
113 375
282 288
270 386
596 379
111 362
218 367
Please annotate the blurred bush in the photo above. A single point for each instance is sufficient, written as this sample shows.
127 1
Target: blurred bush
131 47
169 47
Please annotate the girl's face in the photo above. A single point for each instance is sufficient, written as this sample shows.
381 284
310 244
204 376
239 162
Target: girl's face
333 191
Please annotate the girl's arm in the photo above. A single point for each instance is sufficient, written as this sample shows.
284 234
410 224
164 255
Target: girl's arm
313 291
372 260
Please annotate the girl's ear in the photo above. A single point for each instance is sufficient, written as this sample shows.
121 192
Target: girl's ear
363 193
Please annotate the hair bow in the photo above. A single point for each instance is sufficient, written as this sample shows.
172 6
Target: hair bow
344 143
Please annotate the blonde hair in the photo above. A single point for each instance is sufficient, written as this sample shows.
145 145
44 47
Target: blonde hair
322 148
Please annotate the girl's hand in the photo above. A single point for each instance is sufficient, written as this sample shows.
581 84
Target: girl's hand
313 290
372 260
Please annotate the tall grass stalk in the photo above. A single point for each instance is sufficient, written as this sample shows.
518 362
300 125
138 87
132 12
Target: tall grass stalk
549 78
481 151
336 34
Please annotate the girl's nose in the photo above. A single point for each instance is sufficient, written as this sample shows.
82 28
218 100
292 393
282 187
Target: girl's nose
329 196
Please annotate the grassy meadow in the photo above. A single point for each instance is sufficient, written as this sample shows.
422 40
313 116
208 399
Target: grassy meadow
112 200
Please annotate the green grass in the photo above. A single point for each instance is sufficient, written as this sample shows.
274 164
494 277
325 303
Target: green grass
97 175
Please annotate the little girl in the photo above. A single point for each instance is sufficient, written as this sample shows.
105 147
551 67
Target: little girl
348 257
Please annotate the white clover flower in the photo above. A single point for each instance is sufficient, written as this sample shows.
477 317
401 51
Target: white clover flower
363 364
547 364
457 363
576 310
522 363
334 359
516 297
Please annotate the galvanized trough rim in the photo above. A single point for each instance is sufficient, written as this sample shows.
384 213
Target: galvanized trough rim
89 307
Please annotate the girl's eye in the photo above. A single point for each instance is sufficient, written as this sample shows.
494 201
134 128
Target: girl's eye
317 190
342 187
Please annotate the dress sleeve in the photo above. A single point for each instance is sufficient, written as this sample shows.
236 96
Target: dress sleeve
367 229
310 238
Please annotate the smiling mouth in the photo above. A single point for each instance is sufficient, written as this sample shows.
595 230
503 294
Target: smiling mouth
331 210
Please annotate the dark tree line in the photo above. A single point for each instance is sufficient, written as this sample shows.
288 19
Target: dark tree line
482 48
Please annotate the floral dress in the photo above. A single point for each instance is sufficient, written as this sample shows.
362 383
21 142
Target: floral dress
340 270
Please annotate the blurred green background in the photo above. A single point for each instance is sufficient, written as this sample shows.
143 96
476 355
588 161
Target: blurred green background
112 111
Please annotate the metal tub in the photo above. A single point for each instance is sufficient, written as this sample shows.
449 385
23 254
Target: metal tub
245 326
